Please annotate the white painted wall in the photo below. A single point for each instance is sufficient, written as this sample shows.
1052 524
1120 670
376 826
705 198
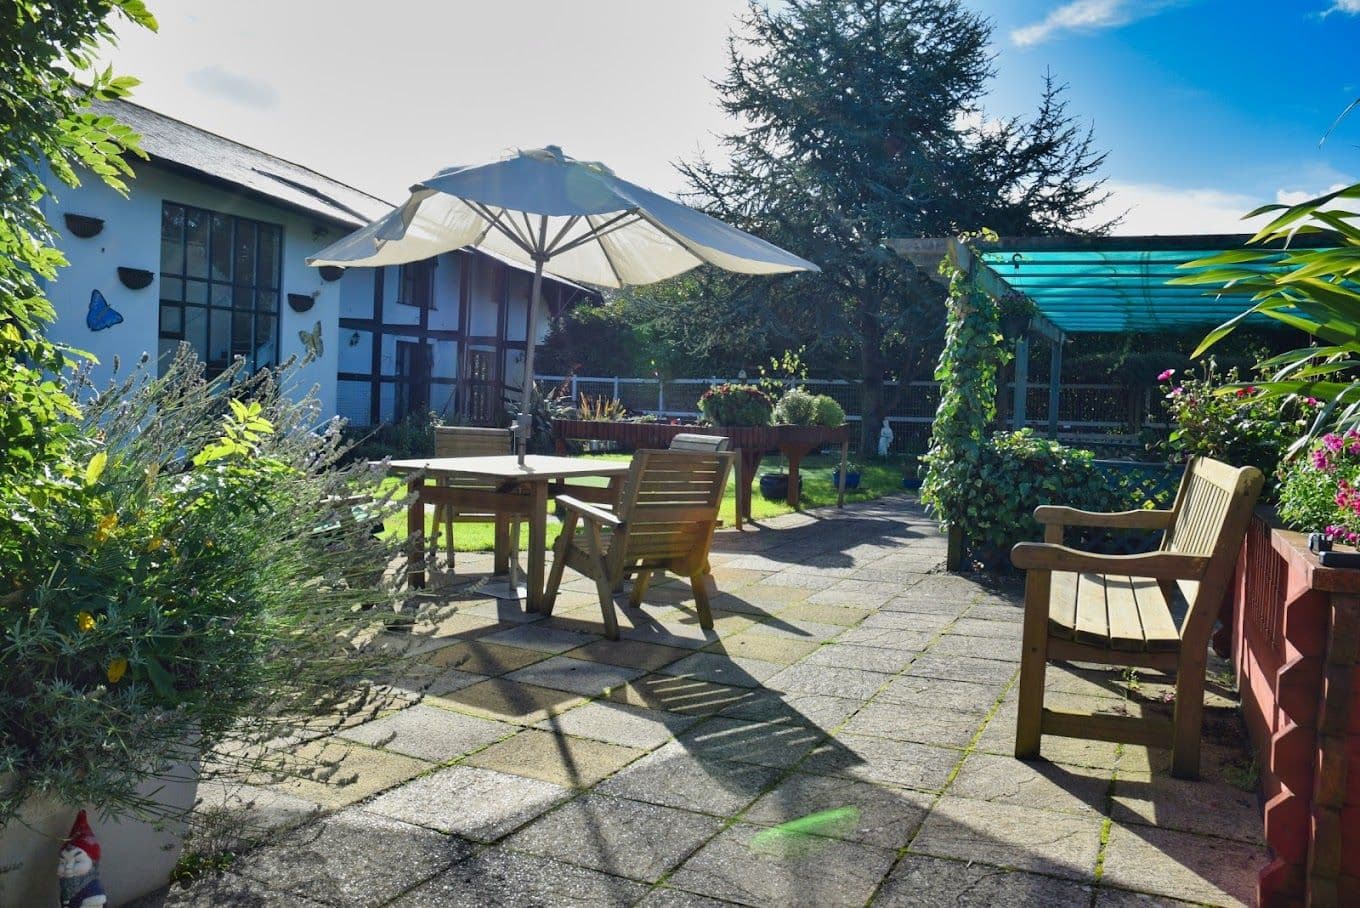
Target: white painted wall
131 237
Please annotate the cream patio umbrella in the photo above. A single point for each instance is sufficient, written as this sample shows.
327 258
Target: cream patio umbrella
573 219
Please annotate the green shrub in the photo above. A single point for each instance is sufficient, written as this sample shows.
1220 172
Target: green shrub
736 405
992 494
829 413
410 437
201 586
796 408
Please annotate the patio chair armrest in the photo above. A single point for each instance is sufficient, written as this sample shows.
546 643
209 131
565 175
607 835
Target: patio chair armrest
1046 556
1054 514
589 511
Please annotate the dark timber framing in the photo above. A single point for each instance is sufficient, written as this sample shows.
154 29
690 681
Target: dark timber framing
557 297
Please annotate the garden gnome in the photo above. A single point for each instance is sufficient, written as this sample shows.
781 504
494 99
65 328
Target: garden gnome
78 868
885 437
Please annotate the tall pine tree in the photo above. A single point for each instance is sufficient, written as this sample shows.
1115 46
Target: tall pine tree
861 121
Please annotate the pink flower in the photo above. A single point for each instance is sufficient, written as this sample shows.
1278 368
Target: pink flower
1312 401
1166 376
1176 391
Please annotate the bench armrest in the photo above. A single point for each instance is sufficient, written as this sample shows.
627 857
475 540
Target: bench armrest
589 511
1053 514
1046 556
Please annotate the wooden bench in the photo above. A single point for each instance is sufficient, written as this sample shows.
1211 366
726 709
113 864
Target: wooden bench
1117 609
664 521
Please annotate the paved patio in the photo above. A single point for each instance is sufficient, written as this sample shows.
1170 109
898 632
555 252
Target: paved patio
843 738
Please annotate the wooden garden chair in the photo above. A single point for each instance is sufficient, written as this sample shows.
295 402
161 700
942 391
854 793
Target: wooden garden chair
469 441
664 521
1116 609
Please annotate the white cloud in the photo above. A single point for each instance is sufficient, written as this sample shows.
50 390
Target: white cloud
1090 15
236 87
1295 196
1151 209
1346 7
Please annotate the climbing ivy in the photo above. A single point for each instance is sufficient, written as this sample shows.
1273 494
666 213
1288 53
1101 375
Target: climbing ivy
989 485
972 355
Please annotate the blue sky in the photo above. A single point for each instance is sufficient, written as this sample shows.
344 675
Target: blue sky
1207 107
1225 99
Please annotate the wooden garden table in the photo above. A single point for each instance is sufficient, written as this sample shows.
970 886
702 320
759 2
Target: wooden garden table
522 491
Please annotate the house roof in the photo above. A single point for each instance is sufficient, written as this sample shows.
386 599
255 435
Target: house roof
183 147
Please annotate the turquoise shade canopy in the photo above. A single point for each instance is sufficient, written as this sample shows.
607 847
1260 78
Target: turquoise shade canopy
1086 285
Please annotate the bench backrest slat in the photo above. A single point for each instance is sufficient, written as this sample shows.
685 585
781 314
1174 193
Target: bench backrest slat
1212 510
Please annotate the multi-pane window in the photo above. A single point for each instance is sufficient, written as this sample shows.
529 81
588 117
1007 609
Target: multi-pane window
417 284
219 286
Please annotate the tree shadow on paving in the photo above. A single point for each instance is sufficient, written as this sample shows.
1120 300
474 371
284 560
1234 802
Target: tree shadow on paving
827 540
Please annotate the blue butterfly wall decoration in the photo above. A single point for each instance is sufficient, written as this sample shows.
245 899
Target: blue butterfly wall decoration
101 315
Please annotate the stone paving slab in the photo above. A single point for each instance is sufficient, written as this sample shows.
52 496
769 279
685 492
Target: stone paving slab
618 836
844 735
499 877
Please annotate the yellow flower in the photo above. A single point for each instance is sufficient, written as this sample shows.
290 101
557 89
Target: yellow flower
154 543
117 668
85 621
107 524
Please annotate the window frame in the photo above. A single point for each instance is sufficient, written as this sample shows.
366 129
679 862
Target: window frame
415 284
185 292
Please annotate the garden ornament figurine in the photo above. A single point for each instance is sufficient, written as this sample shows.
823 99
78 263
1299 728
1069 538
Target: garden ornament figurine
78 868
885 437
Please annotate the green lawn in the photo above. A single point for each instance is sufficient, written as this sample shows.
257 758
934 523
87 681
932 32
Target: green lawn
878 479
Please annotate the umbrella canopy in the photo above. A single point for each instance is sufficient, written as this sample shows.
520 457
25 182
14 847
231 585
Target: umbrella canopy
573 219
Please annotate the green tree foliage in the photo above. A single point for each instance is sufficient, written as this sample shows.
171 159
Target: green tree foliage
862 122
47 49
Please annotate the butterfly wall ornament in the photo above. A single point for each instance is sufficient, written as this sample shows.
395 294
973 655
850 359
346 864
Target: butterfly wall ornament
311 343
101 315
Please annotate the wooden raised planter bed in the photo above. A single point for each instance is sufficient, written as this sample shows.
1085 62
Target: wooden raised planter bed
1296 649
750 442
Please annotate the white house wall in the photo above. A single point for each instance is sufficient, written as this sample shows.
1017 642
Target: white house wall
131 238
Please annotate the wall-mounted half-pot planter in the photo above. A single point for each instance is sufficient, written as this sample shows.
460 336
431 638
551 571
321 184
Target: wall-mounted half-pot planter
134 278
82 225
331 272
300 302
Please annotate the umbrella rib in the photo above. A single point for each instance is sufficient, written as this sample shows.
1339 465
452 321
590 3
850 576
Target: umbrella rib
595 232
615 223
552 247
672 234
494 221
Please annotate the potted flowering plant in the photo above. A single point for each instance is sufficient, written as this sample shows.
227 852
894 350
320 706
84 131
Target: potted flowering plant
731 404
1321 492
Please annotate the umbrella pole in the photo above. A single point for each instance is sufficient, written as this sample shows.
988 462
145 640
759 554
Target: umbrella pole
526 412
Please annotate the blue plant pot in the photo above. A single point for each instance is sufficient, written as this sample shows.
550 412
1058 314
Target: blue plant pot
851 478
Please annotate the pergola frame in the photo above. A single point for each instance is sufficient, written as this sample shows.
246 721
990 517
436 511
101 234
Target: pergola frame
1084 284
